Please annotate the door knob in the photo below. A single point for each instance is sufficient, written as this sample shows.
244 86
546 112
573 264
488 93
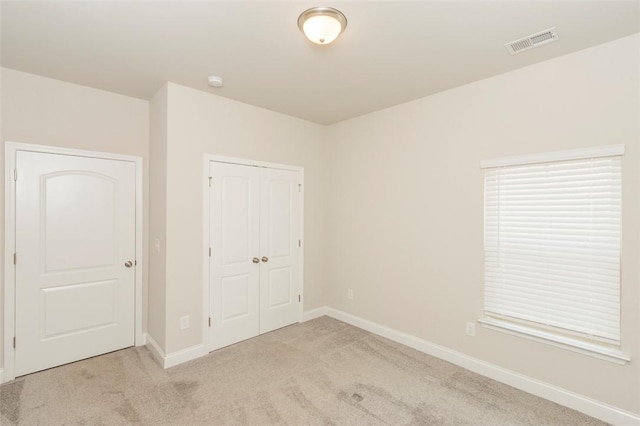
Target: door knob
255 260
128 264
265 259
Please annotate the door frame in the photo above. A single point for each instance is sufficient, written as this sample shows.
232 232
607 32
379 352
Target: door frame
11 150
206 273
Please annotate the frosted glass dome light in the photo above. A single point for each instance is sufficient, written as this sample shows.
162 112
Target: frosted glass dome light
322 25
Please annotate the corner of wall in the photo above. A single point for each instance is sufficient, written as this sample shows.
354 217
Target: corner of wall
158 123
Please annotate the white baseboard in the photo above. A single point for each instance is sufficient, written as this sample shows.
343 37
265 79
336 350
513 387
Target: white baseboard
188 354
184 355
553 393
314 313
1 375
175 358
143 341
155 350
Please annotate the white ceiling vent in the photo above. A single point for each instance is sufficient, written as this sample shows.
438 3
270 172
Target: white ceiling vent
531 41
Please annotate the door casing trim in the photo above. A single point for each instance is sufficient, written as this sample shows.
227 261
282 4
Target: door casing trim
9 291
208 158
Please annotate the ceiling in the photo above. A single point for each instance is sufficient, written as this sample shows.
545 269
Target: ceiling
390 53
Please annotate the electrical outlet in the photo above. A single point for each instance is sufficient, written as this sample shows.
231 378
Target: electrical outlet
470 328
184 322
350 294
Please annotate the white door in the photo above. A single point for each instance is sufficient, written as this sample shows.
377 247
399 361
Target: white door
75 249
279 248
234 267
255 227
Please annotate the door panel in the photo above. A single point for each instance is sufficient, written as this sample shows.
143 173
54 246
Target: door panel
80 212
236 297
280 287
75 229
234 222
278 214
280 223
95 307
236 226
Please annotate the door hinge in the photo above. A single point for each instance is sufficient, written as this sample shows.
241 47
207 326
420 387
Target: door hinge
299 298
299 243
209 251
14 342
15 174
299 187
15 256
210 178
209 321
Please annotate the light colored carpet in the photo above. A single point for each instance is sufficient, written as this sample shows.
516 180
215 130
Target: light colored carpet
319 372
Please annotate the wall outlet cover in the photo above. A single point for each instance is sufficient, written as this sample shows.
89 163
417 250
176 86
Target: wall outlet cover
470 328
184 322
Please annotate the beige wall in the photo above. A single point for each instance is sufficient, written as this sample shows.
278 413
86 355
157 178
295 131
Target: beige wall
158 216
406 206
199 123
43 111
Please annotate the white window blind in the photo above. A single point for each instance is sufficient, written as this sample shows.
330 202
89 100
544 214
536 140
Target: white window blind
552 245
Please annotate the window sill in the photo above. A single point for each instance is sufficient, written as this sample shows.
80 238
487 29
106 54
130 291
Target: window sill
572 344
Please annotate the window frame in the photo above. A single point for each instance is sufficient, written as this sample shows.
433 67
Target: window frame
549 335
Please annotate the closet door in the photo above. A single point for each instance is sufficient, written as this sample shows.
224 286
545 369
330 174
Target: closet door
280 230
255 230
234 262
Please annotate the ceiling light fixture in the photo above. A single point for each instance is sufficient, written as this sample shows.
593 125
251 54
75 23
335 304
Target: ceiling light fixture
322 25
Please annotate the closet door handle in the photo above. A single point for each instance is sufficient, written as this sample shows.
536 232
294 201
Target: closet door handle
256 260
265 259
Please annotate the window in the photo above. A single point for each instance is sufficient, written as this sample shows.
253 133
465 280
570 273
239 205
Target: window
552 245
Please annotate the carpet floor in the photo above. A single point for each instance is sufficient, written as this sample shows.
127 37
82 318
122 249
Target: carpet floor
321 372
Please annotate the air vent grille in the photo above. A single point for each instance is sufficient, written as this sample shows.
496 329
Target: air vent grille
531 41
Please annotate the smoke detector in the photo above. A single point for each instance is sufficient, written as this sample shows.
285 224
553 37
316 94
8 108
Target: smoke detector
534 40
214 81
